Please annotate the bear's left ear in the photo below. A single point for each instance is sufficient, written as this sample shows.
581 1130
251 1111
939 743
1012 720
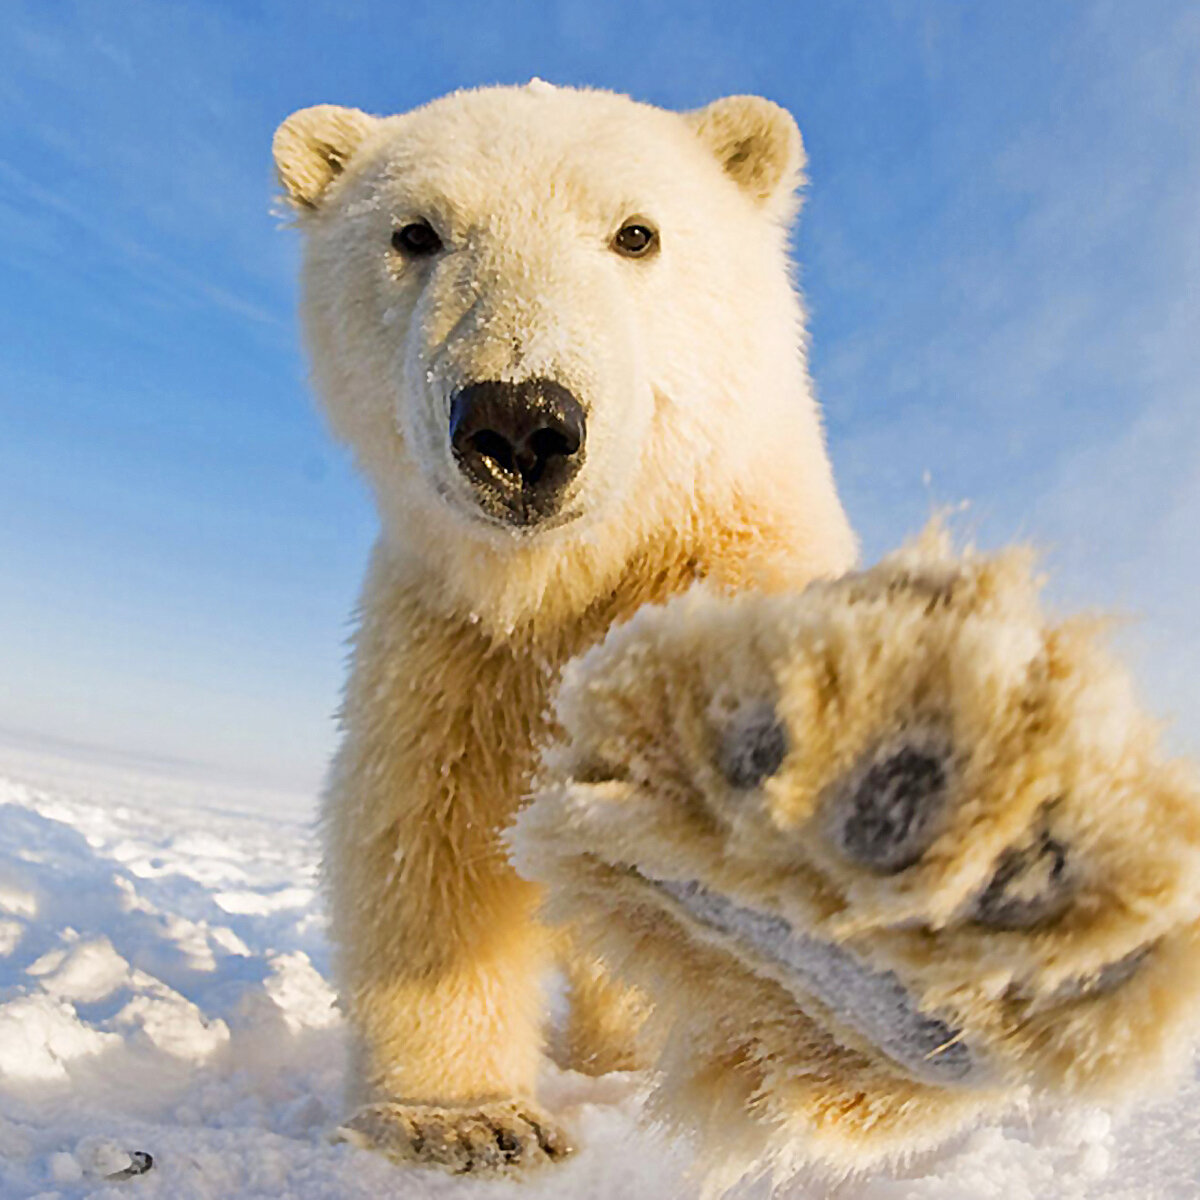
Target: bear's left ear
758 146
312 148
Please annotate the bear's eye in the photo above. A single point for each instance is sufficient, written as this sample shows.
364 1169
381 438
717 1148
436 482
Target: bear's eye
636 239
418 240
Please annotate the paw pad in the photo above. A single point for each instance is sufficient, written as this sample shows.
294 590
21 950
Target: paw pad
1107 979
753 746
886 819
1117 974
1030 887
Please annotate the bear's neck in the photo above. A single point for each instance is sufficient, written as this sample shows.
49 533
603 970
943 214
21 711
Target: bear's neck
556 602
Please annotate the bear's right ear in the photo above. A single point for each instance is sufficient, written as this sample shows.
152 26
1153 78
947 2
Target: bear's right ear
758 146
312 148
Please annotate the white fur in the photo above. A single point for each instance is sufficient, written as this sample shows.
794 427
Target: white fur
691 364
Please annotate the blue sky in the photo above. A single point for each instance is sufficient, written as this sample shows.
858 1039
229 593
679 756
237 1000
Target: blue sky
1000 249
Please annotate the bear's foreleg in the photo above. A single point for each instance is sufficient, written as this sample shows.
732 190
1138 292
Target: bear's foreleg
605 1018
438 954
447 1021
445 1012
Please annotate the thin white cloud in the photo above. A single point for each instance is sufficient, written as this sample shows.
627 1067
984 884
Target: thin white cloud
156 270
1062 395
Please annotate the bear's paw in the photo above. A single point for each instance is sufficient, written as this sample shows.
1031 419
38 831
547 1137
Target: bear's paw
886 854
499 1138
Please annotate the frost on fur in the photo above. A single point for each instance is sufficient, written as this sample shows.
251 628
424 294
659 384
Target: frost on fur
888 854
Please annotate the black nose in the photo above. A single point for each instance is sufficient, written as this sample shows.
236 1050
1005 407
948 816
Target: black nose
519 443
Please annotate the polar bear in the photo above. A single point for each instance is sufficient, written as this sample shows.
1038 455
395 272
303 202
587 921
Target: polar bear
558 329
882 848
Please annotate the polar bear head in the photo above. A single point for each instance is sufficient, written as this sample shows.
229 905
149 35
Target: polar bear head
546 318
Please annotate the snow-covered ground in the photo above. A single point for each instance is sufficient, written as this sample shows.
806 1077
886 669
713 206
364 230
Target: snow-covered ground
163 989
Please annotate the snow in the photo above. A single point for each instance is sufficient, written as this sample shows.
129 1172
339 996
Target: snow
163 989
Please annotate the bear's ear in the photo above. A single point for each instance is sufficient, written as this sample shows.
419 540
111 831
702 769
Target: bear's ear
757 144
312 148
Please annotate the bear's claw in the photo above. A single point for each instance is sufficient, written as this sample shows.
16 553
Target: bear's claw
500 1138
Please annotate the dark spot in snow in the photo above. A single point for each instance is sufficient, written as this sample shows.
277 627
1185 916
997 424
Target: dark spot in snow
139 1163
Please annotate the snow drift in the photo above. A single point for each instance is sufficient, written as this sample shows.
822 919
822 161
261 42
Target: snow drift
163 991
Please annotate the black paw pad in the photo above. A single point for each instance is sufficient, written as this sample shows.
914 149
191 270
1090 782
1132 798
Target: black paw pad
753 746
1030 887
887 817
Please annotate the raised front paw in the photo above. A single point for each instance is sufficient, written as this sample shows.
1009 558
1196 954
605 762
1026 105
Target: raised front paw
505 1137
883 853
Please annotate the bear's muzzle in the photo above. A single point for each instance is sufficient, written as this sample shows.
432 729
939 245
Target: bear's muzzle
519 444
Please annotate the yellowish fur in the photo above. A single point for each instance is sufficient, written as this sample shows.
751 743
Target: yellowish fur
1041 740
